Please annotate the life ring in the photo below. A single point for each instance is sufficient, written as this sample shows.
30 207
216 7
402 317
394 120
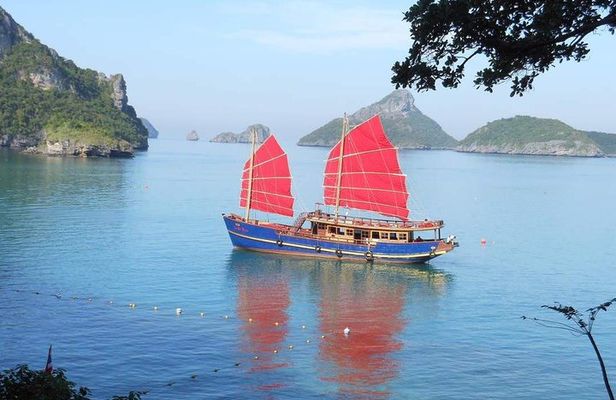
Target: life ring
279 243
369 255
339 253
317 248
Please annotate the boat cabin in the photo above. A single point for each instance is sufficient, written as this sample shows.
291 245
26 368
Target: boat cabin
368 230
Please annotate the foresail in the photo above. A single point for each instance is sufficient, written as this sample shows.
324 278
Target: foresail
271 180
370 178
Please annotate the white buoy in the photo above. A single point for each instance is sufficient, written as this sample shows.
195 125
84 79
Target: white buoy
132 305
290 347
226 317
155 308
178 311
202 314
307 340
303 326
276 323
249 319
346 331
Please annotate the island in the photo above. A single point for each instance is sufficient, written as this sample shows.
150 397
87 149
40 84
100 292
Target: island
49 105
406 126
192 136
262 132
528 135
152 132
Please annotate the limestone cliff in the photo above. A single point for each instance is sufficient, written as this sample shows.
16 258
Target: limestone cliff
49 105
404 123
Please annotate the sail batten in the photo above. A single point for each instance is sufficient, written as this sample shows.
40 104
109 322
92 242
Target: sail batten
266 180
369 177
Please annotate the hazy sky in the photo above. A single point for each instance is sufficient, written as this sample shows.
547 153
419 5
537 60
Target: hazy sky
293 65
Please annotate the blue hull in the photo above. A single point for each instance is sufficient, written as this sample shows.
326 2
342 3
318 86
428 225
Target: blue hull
273 239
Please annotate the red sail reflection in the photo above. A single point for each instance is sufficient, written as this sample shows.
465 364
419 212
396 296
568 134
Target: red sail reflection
362 362
262 306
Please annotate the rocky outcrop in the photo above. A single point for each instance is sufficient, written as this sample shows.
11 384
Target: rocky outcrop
11 33
120 148
192 136
152 132
406 126
262 132
530 136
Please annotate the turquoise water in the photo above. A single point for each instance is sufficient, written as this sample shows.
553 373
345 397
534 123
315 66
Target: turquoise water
106 233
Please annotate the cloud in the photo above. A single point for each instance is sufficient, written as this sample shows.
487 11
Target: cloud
320 27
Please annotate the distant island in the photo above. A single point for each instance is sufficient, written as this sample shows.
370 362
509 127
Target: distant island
49 105
152 132
405 124
537 136
244 137
192 136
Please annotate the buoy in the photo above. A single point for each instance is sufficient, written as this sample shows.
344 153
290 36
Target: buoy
90 299
178 311
290 347
249 319
275 351
307 340
110 301
256 357
132 305
155 308
202 314
276 323
226 317
303 326
237 364
346 331
193 376
483 242
322 336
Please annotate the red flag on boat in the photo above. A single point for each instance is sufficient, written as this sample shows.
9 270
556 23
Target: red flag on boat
271 180
49 365
371 178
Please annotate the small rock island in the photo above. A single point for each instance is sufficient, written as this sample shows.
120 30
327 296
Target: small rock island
244 137
192 136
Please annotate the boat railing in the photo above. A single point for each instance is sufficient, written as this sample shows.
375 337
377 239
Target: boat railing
375 222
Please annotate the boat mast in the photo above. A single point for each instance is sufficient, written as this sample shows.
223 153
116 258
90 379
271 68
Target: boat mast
345 126
252 158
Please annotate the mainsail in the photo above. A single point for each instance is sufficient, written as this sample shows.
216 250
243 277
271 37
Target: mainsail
266 180
370 177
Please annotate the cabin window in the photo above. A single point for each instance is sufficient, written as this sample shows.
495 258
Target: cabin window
340 231
384 235
365 234
375 235
332 229
320 225
393 236
402 236
349 232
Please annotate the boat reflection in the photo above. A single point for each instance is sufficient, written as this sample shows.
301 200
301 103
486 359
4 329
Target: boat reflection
369 299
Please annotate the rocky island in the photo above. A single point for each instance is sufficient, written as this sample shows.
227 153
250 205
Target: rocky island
192 136
152 132
49 105
229 137
405 124
537 136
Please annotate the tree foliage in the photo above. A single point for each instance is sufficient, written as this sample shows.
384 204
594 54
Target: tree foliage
22 383
519 38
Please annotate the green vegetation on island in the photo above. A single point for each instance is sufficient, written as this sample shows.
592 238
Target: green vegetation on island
49 104
406 126
537 136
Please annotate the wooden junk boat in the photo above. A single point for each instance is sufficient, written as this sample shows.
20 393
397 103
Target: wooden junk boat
362 172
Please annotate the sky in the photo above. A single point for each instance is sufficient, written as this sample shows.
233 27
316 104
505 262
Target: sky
293 65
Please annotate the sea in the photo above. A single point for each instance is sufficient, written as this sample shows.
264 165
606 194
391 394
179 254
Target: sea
124 266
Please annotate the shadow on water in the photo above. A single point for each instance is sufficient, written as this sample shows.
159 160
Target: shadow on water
370 299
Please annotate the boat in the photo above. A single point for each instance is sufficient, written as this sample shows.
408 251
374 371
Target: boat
363 173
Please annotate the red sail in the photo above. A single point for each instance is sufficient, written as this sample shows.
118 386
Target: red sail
271 180
371 177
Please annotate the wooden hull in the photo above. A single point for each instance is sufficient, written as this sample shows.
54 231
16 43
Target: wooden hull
284 239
